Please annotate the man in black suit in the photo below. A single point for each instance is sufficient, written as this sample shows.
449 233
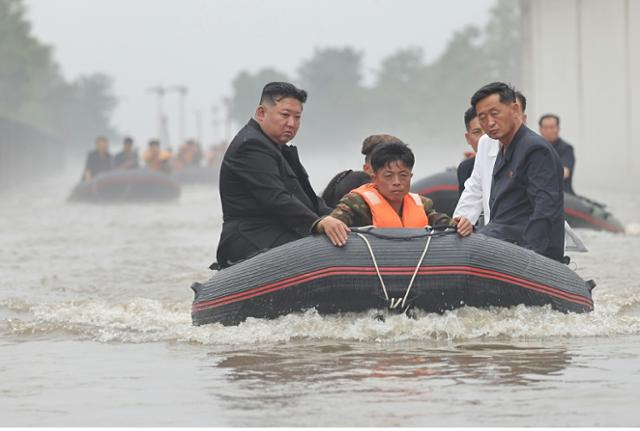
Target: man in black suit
550 130
472 135
267 199
527 205
98 160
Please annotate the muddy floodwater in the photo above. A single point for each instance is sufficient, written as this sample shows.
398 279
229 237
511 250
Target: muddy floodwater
96 331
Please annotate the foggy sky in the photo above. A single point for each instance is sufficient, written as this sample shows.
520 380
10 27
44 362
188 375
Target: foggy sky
203 44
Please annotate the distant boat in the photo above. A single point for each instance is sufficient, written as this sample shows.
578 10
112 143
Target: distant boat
396 269
580 212
197 175
134 185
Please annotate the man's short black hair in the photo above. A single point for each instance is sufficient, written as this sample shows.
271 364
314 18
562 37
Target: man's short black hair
128 140
384 154
154 143
506 92
545 116
274 92
522 100
371 142
469 115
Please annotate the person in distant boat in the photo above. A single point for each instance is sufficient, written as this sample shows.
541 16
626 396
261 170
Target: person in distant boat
98 160
189 154
267 199
128 157
527 201
550 130
215 154
386 202
472 135
348 180
157 159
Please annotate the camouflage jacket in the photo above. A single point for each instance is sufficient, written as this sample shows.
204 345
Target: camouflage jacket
354 211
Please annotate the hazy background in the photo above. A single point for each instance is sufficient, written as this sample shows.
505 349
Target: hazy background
74 69
203 45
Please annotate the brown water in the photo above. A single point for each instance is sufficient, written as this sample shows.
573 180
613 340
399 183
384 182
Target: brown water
96 331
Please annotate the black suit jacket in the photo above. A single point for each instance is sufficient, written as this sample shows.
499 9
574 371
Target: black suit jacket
527 200
267 199
465 169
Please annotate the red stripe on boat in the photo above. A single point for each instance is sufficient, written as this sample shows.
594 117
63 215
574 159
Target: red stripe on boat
428 270
439 188
594 221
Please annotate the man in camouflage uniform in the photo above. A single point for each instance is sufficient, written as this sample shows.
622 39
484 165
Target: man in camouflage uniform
352 210
386 202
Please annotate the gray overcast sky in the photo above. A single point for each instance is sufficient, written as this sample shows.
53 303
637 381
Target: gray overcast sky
203 44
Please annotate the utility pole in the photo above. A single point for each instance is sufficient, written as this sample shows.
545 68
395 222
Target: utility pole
215 124
198 115
226 101
162 132
182 93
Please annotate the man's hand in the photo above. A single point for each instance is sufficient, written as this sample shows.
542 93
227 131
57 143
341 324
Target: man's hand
336 230
463 225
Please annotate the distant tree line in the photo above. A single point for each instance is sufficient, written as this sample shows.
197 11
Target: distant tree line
34 92
423 103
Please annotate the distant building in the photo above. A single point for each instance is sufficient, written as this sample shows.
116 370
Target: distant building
582 62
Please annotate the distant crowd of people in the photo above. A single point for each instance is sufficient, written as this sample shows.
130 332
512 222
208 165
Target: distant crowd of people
189 154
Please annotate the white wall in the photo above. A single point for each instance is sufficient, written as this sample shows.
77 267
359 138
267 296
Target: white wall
582 60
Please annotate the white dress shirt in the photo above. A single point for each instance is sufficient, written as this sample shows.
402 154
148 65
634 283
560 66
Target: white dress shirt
477 188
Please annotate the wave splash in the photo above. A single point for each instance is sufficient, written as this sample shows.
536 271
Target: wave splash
142 320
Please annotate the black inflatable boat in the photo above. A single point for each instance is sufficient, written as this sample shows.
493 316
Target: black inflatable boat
136 185
197 175
580 212
399 269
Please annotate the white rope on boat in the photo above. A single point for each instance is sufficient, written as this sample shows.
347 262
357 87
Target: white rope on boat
395 302
375 264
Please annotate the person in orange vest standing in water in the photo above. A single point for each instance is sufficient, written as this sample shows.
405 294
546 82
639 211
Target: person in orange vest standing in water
386 202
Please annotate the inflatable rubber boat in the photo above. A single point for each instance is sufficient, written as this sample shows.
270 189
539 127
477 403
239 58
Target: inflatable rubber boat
580 212
196 175
136 185
397 269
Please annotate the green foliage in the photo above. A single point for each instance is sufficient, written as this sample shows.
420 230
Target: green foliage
332 77
246 90
34 91
423 103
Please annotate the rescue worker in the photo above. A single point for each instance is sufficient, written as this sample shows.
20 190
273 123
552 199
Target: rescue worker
386 202
128 157
157 159
189 154
98 160
348 180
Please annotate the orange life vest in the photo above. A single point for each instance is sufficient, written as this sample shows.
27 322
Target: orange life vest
413 214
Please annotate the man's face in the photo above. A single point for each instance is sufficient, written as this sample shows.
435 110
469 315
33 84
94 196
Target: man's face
473 134
549 129
154 150
281 121
393 181
102 145
497 119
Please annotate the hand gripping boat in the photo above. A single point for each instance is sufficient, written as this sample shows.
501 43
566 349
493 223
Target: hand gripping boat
399 269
